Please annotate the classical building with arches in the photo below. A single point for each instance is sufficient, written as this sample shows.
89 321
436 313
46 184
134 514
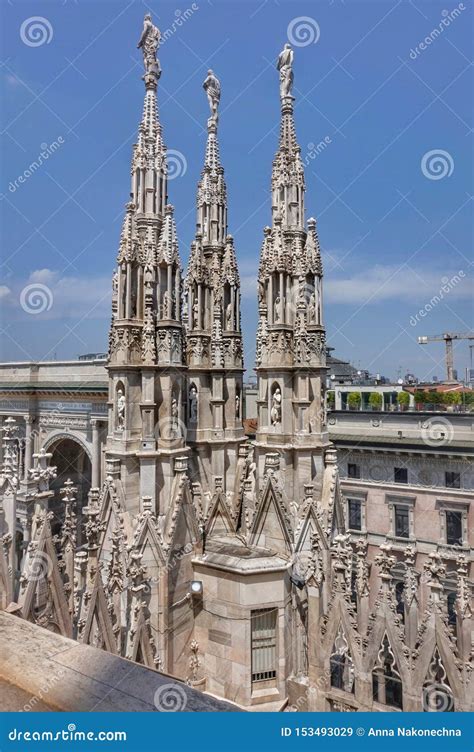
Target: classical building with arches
152 528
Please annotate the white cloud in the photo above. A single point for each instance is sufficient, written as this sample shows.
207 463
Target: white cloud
4 292
390 282
71 297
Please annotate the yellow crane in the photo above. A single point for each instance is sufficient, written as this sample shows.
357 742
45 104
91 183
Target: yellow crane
448 338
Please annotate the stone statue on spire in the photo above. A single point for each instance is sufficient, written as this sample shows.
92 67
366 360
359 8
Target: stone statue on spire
212 87
285 66
149 43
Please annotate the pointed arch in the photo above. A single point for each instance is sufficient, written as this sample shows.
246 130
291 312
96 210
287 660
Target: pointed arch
271 527
341 666
387 687
219 522
437 694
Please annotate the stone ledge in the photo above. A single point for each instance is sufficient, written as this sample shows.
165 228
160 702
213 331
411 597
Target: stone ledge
69 676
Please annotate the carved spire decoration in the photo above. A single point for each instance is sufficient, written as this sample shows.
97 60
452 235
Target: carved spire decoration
9 448
290 329
463 594
146 303
435 571
385 561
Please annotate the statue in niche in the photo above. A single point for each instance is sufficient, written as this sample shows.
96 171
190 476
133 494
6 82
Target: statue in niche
115 283
212 87
301 288
285 66
174 419
121 404
261 291
196 314
237 406
275 413
276 310
149 43
312 308
166 305
228 317
193 406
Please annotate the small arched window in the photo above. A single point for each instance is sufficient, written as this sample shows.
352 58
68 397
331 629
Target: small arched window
386 681
437 694
341 665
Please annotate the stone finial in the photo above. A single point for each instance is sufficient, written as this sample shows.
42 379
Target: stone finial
285 67
385 561
42 473
212 87
149 42
463 595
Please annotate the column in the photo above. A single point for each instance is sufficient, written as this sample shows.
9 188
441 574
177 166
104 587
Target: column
96 453
29 439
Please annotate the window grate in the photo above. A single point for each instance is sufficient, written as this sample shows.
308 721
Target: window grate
264 644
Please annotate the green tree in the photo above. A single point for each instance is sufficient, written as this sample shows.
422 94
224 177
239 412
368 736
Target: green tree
403 399
420 397
452 398
331 400
375 400
353 400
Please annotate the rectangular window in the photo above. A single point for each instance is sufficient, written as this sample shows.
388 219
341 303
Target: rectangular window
400 474
454 529
263 636
452 480
354 508
402 526
353 471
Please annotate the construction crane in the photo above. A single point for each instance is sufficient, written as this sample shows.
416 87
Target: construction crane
448 338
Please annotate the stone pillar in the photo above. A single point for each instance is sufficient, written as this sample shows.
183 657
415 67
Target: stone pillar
96 453
29 440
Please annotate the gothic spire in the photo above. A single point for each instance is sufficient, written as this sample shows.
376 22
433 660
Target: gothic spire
288 184
211 220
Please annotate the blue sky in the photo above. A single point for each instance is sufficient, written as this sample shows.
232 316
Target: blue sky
391 187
